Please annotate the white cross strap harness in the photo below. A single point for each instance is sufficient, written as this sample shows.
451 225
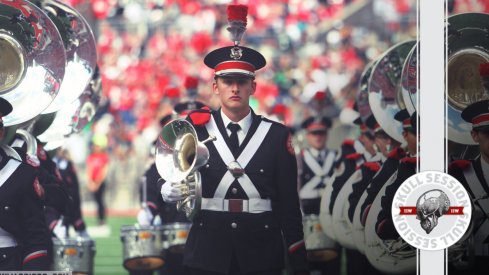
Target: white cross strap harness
309 190
481 249
254 204
7 239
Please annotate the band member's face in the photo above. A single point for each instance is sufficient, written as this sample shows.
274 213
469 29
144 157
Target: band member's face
317 139
368 143
383 144
234 92
411 140
482 138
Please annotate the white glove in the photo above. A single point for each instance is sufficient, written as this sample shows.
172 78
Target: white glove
145 216
32 160
60 231
171 192
83 234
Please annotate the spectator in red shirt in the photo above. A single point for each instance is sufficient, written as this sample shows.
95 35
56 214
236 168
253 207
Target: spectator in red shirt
97 168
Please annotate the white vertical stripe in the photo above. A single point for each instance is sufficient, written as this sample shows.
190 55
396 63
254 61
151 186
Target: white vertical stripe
431 106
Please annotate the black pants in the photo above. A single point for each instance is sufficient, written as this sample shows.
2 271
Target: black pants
99 199
234 270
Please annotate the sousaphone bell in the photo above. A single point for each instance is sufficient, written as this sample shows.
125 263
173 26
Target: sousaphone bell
32 60
81 52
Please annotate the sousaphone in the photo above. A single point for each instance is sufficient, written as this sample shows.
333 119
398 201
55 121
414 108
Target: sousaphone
72 118
32 60
388 256
81 53
362 95
384 93
386 99
179 155
468 47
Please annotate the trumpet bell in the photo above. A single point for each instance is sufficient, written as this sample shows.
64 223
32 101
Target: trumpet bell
384 88
32 58
468 47
178 151
81 53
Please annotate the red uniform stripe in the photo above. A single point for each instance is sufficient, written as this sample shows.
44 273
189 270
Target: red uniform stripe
235 65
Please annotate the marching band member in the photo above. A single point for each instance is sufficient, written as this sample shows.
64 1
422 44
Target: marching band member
247 212
407 167
474 175
69 175
316 166
24 239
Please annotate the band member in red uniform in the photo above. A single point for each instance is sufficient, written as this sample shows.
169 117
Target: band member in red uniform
246 216
24 238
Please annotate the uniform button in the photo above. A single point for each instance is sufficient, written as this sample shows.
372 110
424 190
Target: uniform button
234 225
234 191
201 224
207 166
4 256
261 171
266 226
6 208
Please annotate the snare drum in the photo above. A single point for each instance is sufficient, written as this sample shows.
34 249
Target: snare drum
319 246
74 254
175 236
142 247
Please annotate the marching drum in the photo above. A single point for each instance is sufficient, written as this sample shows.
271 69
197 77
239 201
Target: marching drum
142 247
319 246
175 236
74 254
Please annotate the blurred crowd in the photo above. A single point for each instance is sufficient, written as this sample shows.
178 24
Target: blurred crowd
146 49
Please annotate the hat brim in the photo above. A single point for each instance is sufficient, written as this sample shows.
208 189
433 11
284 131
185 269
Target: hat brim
5 107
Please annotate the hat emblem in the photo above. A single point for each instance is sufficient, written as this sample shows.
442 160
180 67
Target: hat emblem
236 53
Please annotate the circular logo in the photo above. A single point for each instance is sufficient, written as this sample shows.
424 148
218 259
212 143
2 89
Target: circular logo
431 210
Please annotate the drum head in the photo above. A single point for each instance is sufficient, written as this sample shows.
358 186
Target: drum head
143 263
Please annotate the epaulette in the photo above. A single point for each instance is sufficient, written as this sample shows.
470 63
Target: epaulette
353 156
200 116
372 165
397 153
411 160
348 142
460 164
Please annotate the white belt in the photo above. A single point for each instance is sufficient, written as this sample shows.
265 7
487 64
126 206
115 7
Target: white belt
6 239
237 205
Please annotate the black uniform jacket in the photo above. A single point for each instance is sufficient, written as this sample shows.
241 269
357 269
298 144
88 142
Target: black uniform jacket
389 167
167 211
478 263
312 205
367 170
346 168
21 214
384 225
256 239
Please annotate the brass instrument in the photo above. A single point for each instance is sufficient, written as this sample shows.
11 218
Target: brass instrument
80 47
386 99
179 155
32 58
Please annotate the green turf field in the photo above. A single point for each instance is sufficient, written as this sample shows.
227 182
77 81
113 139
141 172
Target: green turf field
108 258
